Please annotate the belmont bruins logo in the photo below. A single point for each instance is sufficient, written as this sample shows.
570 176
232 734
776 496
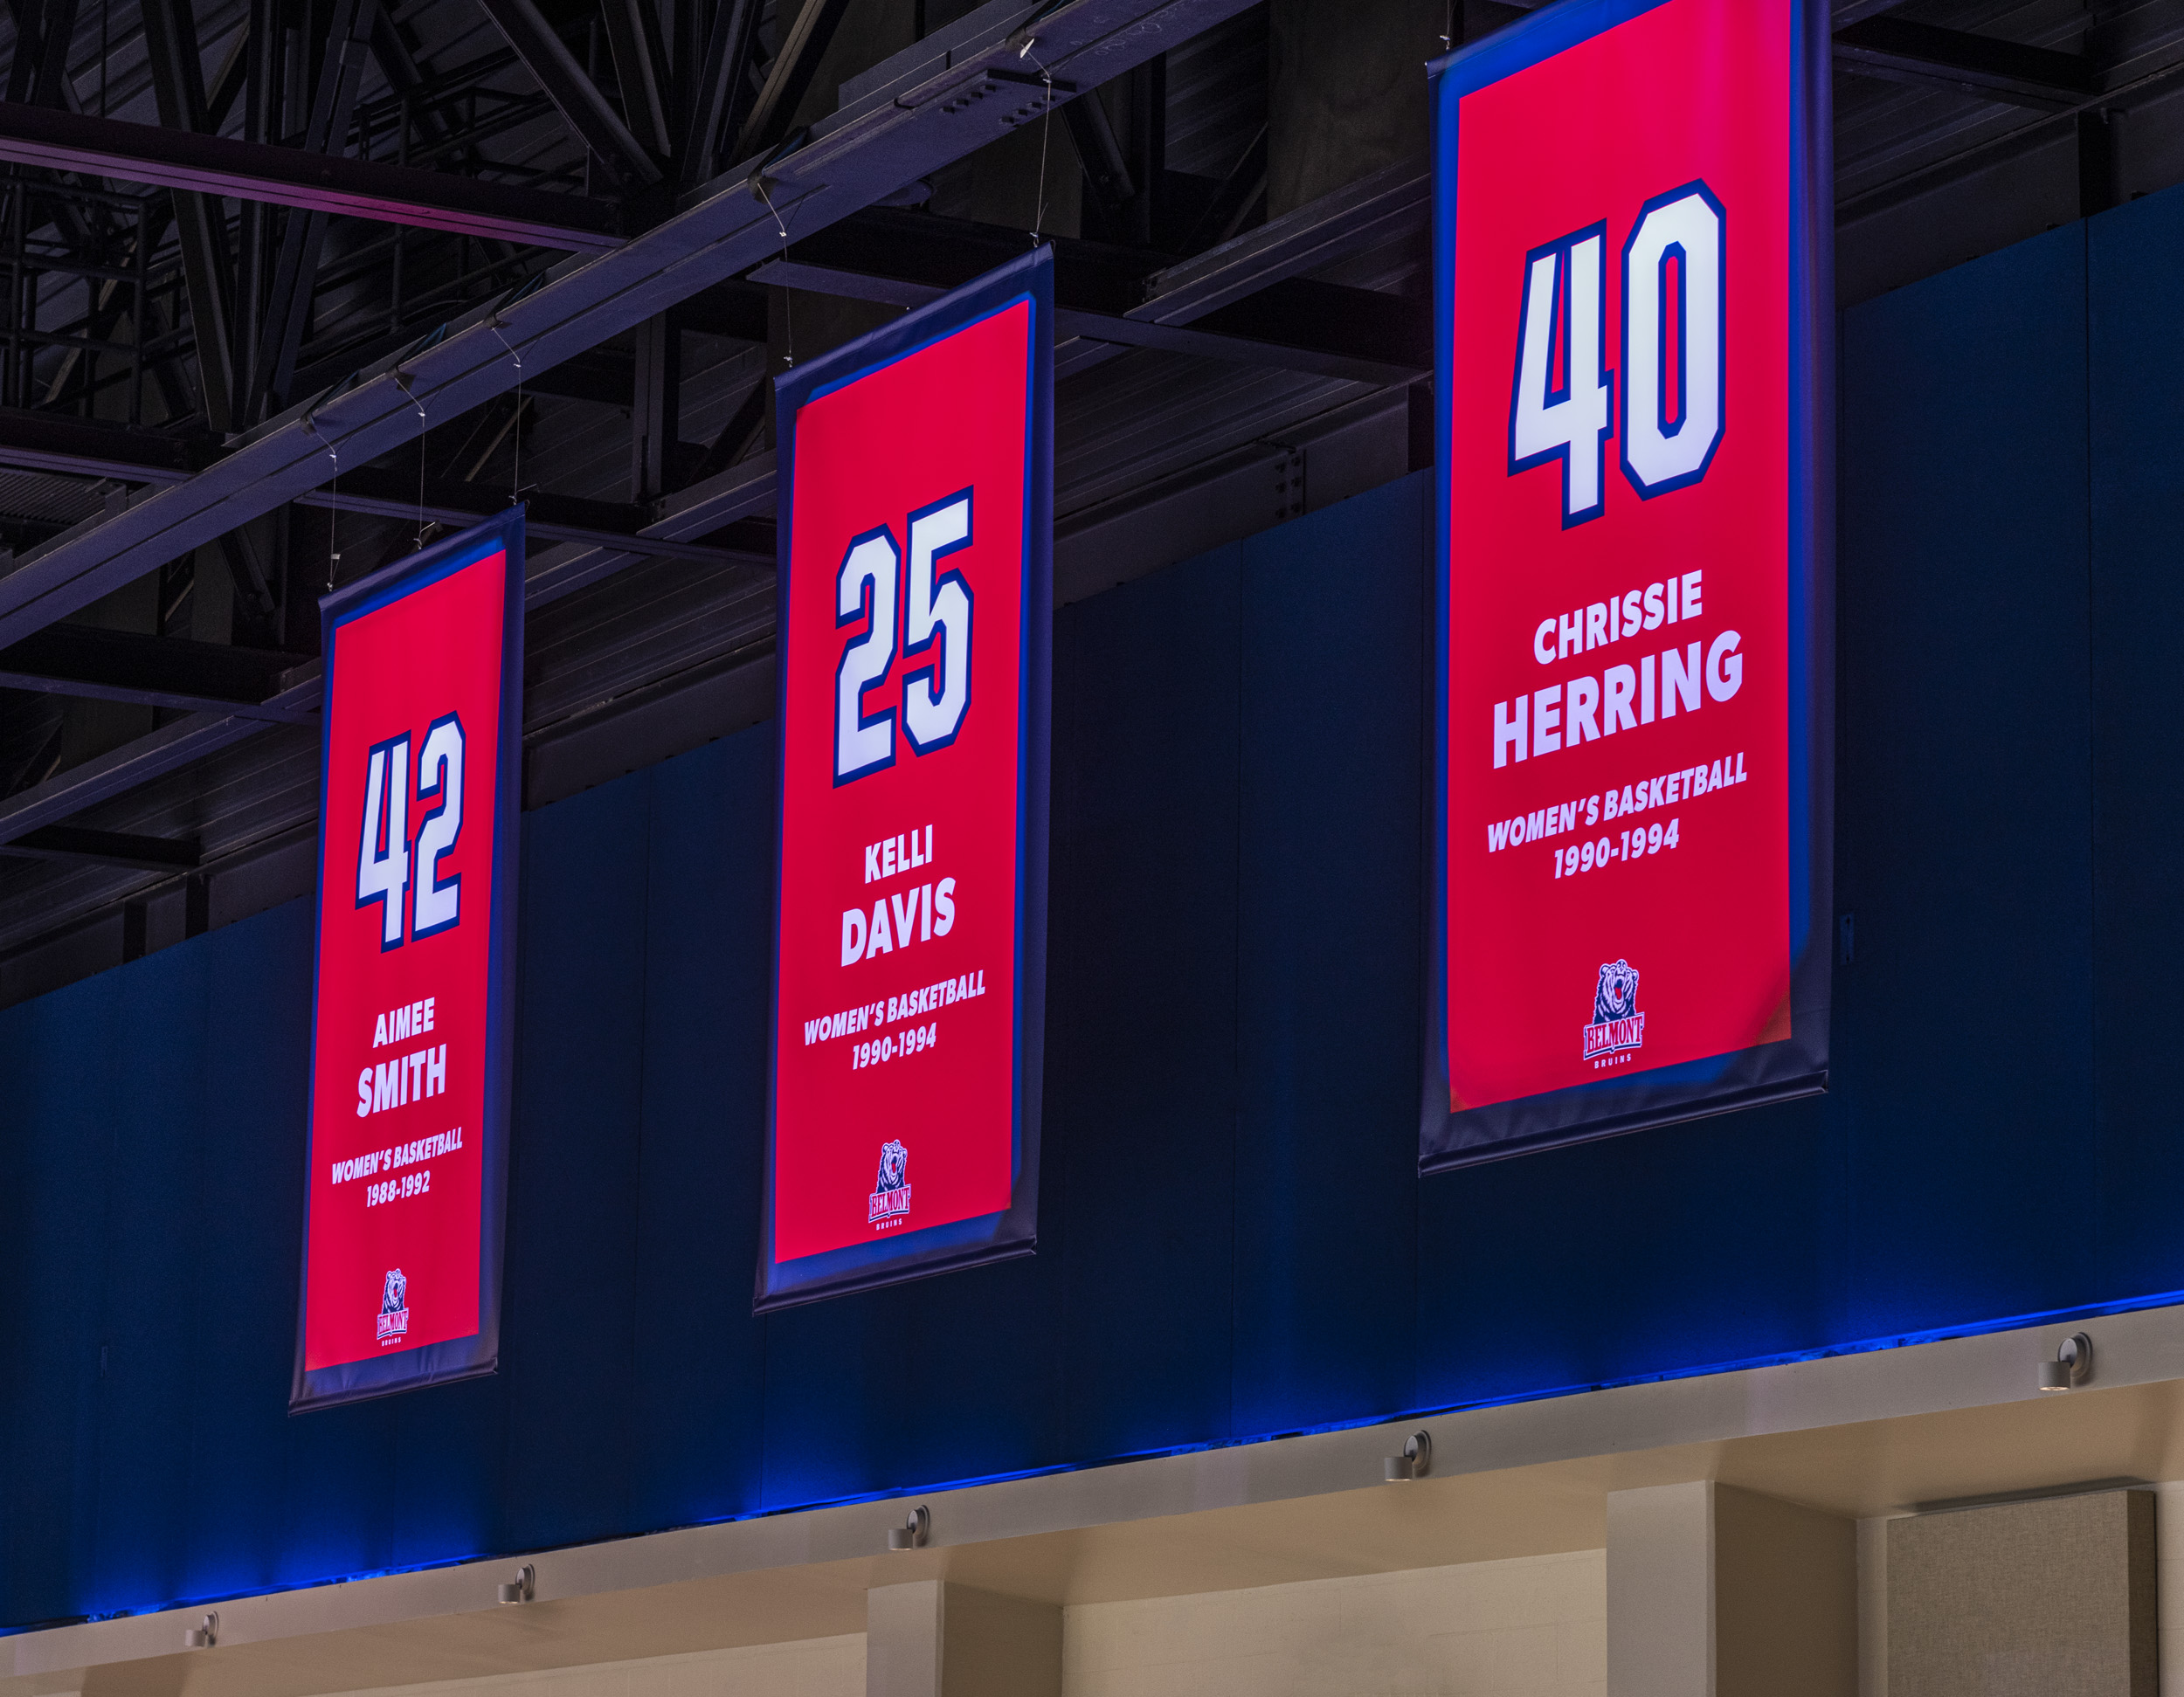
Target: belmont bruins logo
1617 1022
892 1193
394 1307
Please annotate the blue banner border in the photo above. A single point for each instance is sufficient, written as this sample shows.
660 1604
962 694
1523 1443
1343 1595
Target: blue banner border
1766 1072
922 1253
479 1354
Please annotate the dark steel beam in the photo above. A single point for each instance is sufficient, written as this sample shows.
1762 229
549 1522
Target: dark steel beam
1897 49
170 48
39 70
1106 171
148 670
399 66
926 248
632 34
1331 318
1322 328
548 518
121 769
574 94
1856 12
105 848
1394 201
605 375
733 308
655 414
703 510
2098 183
789 77
1241 189
1114 330
746 423
717 100
37 441
216 165
303 234
906 119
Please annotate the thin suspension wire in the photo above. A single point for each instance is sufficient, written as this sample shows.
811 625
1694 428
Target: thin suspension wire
1046 126
516 477
788 296
424 424
334 512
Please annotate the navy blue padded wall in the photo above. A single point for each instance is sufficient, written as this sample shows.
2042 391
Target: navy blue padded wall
1233 1241
569 1320
1330 848
160 1181
60 1052
2137 373
697 1406
1141 1046
1966 836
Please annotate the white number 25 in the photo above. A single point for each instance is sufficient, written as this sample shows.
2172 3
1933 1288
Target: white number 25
934 633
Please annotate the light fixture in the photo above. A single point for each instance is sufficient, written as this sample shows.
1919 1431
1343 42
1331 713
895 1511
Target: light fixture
2072 1366
523 1587
1415 1462
914 1531
204 1635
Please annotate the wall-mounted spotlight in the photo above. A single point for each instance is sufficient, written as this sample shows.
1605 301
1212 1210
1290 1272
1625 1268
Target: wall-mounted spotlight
1415 1462
2072 1366
914 1531
523 1587
204 1635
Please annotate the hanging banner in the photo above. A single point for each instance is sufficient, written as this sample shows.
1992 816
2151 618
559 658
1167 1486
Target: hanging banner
413 1007
1632 909
914 607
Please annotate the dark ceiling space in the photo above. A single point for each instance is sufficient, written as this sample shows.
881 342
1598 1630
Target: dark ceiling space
291 283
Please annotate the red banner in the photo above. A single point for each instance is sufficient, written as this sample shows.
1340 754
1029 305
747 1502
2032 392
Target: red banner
914 616
410 1035
1633 638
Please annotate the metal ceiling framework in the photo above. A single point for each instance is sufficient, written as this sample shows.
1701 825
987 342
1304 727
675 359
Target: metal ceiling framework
411 165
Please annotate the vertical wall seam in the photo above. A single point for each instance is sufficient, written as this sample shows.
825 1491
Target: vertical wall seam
1236 995
637 1168
1427 794
2092 764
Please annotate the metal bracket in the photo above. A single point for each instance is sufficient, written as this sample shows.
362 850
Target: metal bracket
1415 1462
2072 1366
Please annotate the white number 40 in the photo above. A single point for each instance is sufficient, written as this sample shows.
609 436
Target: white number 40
1674 368
386 856
935 631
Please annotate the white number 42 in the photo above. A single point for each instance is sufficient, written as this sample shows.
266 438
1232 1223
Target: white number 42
385 857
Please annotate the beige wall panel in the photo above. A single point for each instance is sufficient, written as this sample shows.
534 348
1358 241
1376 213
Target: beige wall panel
1786 1599
807 1667
2055 1595
1714 1591
1534 1624
1660 1591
